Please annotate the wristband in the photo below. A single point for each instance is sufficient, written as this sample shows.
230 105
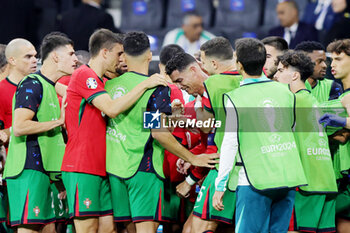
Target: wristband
190 181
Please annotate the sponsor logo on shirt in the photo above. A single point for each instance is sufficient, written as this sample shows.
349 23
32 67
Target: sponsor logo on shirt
91 83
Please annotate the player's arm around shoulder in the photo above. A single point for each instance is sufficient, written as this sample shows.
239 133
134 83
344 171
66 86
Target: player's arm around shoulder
113 108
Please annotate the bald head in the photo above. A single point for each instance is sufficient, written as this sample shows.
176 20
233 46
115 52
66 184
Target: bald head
287 13
16 46
20 54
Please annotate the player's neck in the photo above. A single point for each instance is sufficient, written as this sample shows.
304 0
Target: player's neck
141 68
51 72
346 82
297 86
226 68
97 67
15 76
312 82
246 76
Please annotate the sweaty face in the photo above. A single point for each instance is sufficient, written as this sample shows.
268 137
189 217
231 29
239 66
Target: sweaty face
122 67
271 61
193 28
340 65
189 81
25 61
283 74
286 14
207 64
319 58
67 61
113 57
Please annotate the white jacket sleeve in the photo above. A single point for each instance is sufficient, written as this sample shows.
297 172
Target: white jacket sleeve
229 148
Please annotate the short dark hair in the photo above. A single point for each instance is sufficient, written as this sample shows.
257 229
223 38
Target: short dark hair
340 46
168 52
310 46
3 60
189 14
136 43
293 3
277 42
300 61
218 47
103 39
251 53
179 62
53 41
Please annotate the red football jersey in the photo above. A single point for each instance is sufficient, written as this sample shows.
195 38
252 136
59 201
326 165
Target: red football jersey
86 146
7 91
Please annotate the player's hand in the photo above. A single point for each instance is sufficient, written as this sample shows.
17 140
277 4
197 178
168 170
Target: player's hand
341 136
155 80
63 110
3 137
177 108
183 189
205 160
332 120
182 166
217 201
62 195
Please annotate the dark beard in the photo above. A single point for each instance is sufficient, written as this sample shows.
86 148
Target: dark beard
120 71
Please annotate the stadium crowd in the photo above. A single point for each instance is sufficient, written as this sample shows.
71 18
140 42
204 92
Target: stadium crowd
252 137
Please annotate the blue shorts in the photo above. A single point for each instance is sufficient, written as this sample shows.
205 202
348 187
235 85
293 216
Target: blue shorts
263 211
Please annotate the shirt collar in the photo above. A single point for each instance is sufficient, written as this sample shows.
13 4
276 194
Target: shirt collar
254 80
292 28
44 77
93 4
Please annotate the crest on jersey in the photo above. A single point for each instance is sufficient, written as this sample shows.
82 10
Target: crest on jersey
91 83
87 203
36 211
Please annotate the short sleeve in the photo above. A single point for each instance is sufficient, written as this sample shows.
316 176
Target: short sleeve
160 100
29 94
89 85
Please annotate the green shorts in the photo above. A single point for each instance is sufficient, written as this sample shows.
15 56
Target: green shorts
313 213
60 206
87 195
137 199
176 209
343 202
203 207
30 198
